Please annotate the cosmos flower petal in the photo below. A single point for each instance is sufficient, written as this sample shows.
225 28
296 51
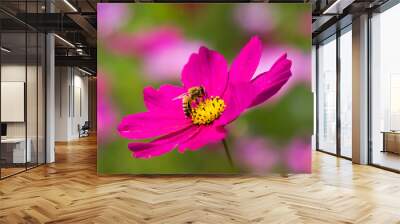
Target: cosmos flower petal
152 124
268 83
207 68
164 98
163 144
237 98
206 135
246 62
149 150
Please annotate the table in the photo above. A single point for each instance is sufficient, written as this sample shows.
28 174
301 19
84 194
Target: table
391 141
17 151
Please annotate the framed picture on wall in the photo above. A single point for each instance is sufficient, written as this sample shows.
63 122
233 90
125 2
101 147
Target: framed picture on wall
203 88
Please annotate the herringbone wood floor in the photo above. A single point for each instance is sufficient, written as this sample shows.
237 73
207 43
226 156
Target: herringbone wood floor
70 191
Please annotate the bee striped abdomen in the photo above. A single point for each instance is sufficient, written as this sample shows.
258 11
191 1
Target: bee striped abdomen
186 106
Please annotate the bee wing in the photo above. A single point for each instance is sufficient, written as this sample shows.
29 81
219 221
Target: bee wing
180 96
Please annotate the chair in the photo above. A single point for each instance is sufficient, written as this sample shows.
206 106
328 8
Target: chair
84 130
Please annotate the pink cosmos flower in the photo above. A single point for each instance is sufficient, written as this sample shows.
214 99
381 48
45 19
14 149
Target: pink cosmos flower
226 95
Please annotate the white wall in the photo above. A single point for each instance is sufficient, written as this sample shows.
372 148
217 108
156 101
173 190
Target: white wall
62 81
81 82
16 73
71 94
13 73
33 126
13 99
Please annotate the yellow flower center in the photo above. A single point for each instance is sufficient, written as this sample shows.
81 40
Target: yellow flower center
208 110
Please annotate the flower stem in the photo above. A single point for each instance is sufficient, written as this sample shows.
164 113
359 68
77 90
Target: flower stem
228 154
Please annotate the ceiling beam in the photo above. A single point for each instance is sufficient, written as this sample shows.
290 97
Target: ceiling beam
337 7
84 24
45 22
78 61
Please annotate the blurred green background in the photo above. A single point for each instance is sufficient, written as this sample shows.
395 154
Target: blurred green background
125 68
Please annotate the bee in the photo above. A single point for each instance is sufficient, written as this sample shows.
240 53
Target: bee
193 95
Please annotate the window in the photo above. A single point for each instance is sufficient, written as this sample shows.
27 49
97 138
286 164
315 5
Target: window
346 93
385 89
327 96
22 77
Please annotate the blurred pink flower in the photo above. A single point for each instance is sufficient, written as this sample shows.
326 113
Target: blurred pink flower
110 17
258 155
106 113
298 156
167 62
301 67
102 84
144 42
255 154
255 18
164 51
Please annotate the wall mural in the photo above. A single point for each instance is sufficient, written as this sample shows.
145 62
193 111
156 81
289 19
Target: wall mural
204 88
